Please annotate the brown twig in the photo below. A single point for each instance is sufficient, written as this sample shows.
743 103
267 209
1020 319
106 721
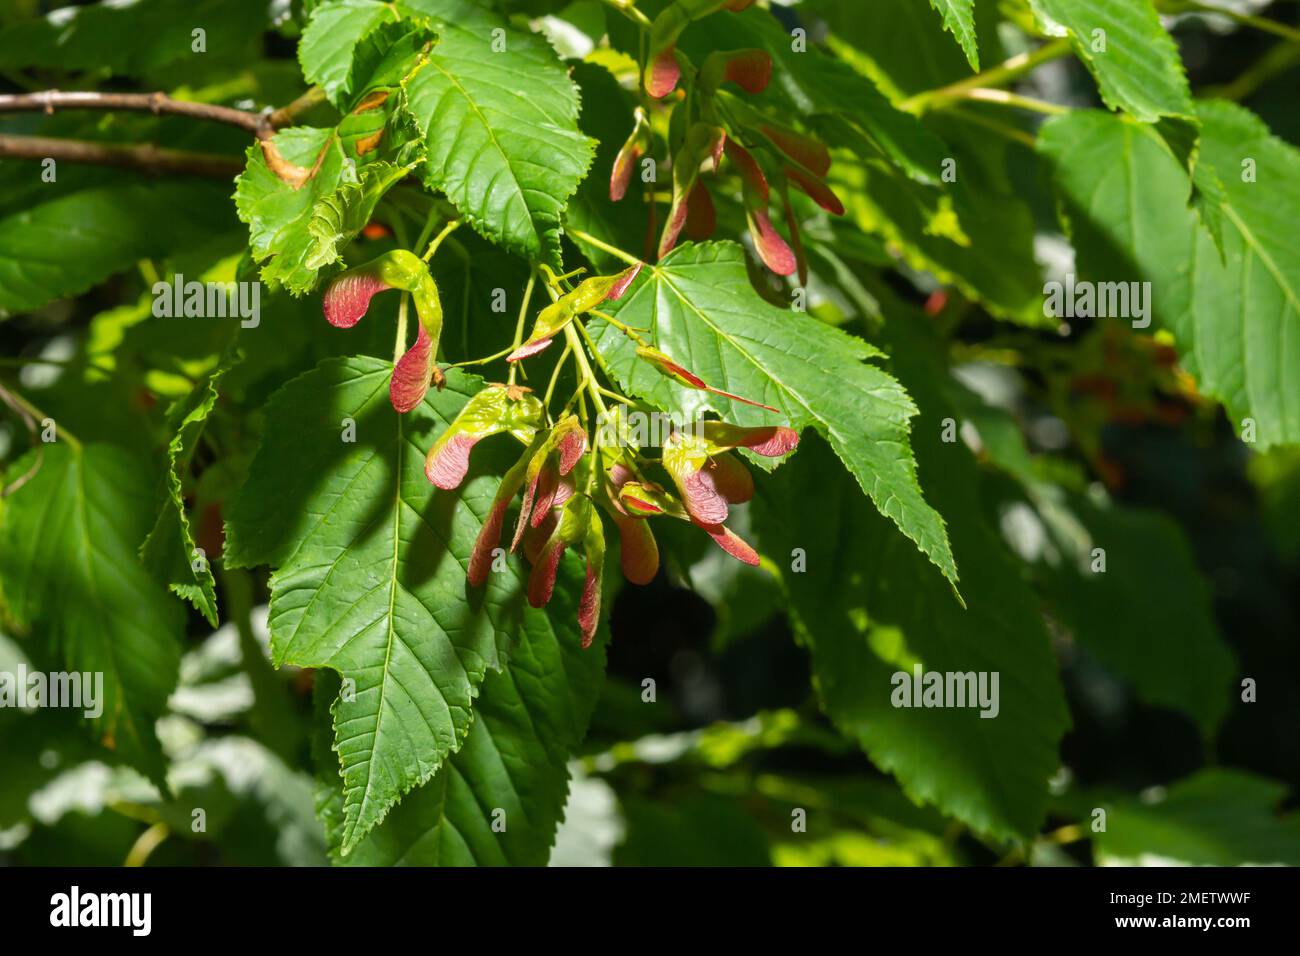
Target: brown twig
159 104
147 156
144 156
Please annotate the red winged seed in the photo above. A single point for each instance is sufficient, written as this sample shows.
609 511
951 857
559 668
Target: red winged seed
447 465
347 298
412 374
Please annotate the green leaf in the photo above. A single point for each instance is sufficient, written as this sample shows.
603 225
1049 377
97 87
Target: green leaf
369 573
340 216
500 116
701 310
1236 317
528 721
959 18
329 42
1128 51
169 551
1156 630
278 215
69 574
65 245
867 609
1216 817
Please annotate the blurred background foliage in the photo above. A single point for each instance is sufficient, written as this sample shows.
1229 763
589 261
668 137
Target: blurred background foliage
1089 434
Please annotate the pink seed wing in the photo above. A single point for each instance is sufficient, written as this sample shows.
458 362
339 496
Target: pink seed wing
820 193
732 478
779 442
347 298
547 488
535 538
530 492
663 74
621 175
701 215
750 70
703 502
677 216
528 349
541 582
625 280
804 150
638 551
733 544
589 605
572 445
772 249
448 462
489 537
412 374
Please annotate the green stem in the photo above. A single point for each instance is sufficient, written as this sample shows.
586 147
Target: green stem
629 10
588 377
519 323
483 361
555 375
1005 98
627 330
1002 129
600 244
447 230
147 842
999 75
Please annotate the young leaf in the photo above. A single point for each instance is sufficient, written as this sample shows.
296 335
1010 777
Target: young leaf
369 577
278 215
699 308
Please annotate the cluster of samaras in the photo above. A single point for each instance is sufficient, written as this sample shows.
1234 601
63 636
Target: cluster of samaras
566 478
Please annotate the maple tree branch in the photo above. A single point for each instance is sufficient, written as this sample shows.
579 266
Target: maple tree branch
143 156
159 104
147 156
